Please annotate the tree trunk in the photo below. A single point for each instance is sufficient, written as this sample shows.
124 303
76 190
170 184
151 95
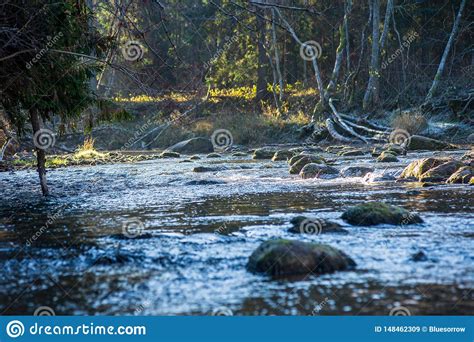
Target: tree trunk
442 63
371 97
262 92
340 51
386 23
40 153
277 57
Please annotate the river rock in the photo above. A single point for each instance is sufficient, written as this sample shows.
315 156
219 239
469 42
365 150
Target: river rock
204 182
395 149
289 257
313 170
348 153
263 153
374 177
192 146
356 171
387 157
441 172
239 154
373 213
314 226
418 142
169 154
213 155
208 169
463 175
282 155
298 162
194 157
419 167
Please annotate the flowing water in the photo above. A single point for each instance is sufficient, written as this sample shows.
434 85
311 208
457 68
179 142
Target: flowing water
68 252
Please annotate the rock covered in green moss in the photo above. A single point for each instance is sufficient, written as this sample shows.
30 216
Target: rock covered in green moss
418 167
298 162
313 170
282 155
373 213
441 172
213 155
463 175
283 257
314 226
387 157
263 153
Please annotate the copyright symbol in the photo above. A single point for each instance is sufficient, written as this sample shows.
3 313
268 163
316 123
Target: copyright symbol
424 329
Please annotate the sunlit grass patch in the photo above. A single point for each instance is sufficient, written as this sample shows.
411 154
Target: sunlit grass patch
87 150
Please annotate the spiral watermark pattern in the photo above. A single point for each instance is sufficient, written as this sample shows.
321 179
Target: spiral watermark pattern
44 139
15 329
311 226
222 139
400 137
132 50
400 311
133 228
44 311
310 50
222 311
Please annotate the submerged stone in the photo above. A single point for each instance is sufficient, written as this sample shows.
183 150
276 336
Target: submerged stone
314 226
283 257
373 213
263 153
387 157
313 170
169 154
356 171
191 146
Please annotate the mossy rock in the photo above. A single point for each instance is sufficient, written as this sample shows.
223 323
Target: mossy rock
213 155
169 154
314 226
283 257
349 153
356 171
337 148
263 153
297 166
313 170
239 154
395 149
373 213
282 155
387 157
193 145
418 142
418 167
195 157
463 175
441 172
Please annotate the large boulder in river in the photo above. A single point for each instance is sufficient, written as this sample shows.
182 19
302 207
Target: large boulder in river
313 170
419 167
192 146
282 155
372 213
298 162
263 153
418 142
441 172
463 175
289 257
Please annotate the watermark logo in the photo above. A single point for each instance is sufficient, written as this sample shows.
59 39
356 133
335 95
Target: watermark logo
132 50
44 311
311 226
400 137
44 139
400 311
222 311
15 329
222 139
310 50
133 228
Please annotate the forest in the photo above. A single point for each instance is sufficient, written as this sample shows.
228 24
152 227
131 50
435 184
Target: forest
236 157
